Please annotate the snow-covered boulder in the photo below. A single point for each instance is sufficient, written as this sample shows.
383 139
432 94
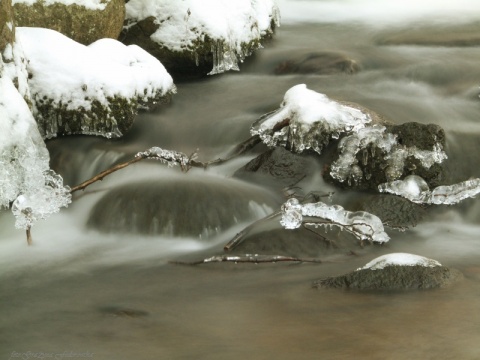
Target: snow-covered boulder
84 21
200 37
369 151
396 271
96 89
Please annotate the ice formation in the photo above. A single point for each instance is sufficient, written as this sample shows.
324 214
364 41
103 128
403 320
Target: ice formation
415 189
399 259
71 76
313 118
25 177
362 225
233 26
169 157
367 140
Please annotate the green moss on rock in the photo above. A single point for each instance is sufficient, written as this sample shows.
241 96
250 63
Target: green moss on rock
77 22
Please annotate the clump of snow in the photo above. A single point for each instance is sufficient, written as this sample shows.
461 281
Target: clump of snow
363 225
415 189
25 177
73 76
346 167
231 25
313 120
89 4
399 259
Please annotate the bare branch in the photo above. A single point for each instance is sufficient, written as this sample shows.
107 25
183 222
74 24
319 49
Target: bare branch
255 259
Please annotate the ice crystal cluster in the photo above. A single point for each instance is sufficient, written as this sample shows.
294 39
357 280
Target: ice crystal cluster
169 157
235 27
415 189
93 82
366 141
399 259
25 177
313 120
362 225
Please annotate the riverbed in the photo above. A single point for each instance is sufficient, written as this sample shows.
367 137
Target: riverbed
116 294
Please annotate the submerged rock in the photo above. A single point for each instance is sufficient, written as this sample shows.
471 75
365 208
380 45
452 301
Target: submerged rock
82 21
179 207
94 90
279 164
396 271
196 38
323 63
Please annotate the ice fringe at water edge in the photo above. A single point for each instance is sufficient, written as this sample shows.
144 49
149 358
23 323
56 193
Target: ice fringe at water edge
362 225
313 120
368 139
415 189
399 259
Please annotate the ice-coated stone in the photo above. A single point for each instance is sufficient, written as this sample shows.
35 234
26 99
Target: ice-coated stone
313 120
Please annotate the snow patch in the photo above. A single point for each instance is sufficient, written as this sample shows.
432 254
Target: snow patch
399 259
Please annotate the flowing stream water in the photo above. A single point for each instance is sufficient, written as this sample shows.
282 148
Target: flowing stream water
109 292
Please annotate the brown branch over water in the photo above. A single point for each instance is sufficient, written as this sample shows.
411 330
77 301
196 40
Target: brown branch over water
253 259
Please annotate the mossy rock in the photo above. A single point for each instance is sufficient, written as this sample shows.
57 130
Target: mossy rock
110 120
75 21
394 278
7 30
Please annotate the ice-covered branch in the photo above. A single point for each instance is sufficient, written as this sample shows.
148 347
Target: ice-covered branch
363 225
415 189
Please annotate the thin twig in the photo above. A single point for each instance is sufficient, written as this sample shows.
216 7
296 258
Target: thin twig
254 259
327 240
238 238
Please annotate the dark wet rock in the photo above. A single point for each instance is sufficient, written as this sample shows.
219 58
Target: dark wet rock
79 23
394 211
322 63
374 161
279 164
299 243
393 278
180 207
